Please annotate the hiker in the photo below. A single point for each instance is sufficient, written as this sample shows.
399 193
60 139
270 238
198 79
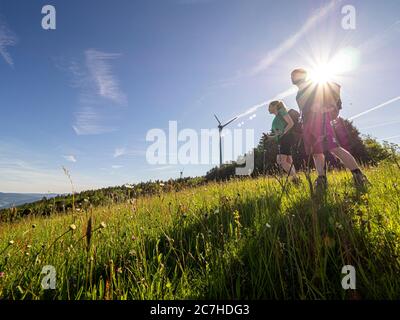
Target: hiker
320 104
282 133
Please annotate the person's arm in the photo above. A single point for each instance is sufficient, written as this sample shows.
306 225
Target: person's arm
289 122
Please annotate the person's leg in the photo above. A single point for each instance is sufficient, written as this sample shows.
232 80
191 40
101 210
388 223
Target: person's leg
345 157
292 169
319 161
283 161
313 139
350 163
321 183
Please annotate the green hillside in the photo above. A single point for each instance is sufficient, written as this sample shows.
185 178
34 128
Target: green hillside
248 238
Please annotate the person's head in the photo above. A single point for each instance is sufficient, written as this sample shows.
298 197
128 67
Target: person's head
275 106
299 76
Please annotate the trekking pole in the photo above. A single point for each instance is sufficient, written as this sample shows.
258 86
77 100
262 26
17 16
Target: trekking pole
324 138
264 154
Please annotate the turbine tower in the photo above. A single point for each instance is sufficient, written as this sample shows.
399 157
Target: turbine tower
220 127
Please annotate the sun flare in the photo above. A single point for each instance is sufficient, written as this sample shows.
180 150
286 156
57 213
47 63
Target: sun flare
345 60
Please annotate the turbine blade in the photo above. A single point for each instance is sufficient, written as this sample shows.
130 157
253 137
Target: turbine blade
229 121
217 119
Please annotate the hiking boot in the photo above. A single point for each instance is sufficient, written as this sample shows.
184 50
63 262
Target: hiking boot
360 180
321 184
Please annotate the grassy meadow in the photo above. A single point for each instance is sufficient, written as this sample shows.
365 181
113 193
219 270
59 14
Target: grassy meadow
242 239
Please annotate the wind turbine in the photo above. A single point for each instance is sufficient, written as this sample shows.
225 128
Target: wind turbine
220 127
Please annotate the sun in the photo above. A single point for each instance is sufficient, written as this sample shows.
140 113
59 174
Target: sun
321 74
344 61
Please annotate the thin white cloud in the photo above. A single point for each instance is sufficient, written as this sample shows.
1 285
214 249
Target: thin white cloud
390 138
381 124
87 122
7 39
98 87
252 110
379 106
119 152
24 170
160 168
70 158
116 166
101 72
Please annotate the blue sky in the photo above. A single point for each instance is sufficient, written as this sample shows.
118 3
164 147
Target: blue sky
84 95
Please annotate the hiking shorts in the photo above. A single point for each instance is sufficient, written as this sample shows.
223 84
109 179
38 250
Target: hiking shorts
318 134
286 144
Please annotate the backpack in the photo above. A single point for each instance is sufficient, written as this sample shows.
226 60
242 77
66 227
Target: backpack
295 115
329 94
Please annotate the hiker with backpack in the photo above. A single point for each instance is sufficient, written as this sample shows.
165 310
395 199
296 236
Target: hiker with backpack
320 104
282 131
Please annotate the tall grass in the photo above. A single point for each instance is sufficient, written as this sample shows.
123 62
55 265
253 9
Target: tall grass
241 239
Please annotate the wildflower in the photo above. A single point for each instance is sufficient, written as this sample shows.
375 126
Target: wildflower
29 246
27 253
162 184
103 225
338 226
72 227
119 270
11 242
2 274
133 238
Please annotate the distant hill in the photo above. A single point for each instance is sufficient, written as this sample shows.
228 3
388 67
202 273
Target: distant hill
15 199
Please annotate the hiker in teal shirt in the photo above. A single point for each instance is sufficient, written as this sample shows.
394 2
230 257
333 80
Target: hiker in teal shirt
282 134
279 124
